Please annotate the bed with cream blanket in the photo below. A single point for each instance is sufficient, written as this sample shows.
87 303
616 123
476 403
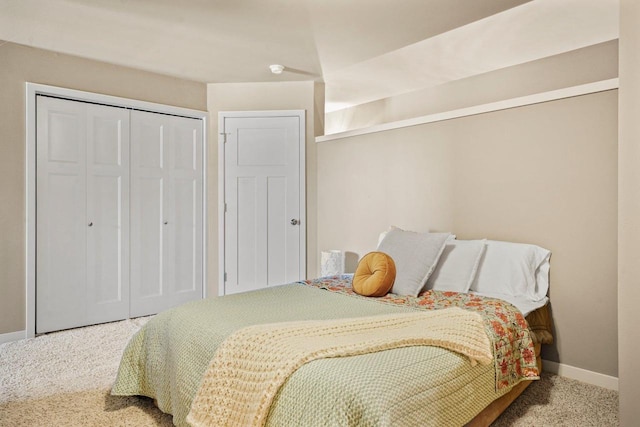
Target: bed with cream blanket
177 358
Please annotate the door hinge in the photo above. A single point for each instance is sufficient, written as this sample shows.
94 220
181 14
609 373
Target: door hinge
224 137
225 207
225 276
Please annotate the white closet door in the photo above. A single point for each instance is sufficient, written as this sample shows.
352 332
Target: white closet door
82 205
166 211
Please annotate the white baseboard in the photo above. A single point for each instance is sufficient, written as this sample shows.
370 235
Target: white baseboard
589 377
12 336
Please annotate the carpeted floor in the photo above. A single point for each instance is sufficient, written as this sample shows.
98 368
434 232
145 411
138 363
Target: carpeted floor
63 379
559 401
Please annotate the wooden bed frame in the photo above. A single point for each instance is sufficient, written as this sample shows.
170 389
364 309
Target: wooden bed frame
541 331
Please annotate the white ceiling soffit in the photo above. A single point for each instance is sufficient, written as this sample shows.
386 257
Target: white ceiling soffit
201 40
363 49
350 31
219 41
532 31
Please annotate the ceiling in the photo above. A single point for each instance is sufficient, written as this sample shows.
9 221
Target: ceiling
362 49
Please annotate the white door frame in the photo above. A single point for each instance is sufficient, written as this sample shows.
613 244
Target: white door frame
222 115
34 89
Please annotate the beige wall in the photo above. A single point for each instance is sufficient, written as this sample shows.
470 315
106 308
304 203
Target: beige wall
308 96
22 64
629 214
543 174
586 65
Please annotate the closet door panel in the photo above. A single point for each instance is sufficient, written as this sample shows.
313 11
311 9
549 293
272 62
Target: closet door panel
148 180
147 212
60 215
166 211
186 207
107 213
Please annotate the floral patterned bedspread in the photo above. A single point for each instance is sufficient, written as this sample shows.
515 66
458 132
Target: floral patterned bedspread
513 349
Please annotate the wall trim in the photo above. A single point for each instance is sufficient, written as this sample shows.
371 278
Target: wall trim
553 95
589 377
12 336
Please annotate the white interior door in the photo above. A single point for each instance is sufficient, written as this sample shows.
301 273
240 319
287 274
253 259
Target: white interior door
166 211
264 199
82 214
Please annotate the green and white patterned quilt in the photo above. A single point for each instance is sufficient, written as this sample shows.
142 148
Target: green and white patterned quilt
420 385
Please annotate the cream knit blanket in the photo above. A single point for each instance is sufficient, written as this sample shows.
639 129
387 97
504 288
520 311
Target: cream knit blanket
252 364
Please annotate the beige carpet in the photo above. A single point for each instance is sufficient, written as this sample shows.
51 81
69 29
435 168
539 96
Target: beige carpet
63 379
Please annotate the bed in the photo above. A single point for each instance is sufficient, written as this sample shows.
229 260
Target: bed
170 358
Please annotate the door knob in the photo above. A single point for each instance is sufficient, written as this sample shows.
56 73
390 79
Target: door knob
91 224
295 222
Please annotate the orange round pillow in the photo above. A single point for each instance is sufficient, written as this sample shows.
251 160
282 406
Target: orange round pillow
374 275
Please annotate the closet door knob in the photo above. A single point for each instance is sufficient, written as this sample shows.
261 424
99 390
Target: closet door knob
166 222
294 222
91 224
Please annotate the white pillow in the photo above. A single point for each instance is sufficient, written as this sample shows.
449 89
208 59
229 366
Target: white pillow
457 266
515 269
415 256
384 233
